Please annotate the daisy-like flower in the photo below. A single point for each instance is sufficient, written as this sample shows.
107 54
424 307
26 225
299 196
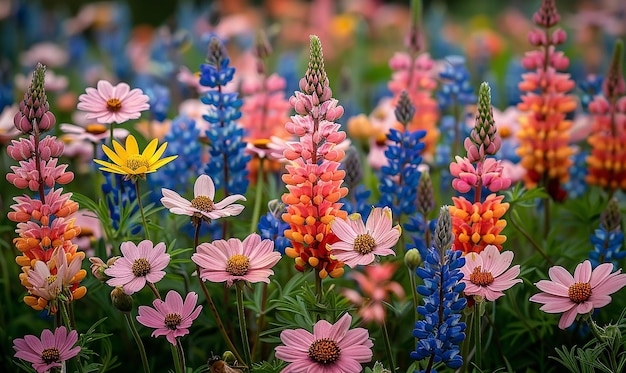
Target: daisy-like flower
202 206
360 242
109 104
128 161
581 294
484 273
94 133
139 264
170 317
49 351
330 348
234 260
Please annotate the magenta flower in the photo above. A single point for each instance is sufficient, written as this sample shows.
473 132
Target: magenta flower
49 351
359 243
139 264
202 206
331 348
484 273
579 294
109 103
172 317
233 260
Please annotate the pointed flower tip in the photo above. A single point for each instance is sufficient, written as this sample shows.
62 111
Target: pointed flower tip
443 230
404 110
614 83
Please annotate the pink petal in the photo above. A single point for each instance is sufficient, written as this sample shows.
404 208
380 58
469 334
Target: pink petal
554 288
612 284
340 328
343 230
583 272
568 318
561 276
204 187
600 273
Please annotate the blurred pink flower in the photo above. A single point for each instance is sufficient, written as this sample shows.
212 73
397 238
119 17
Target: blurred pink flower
109 104
7 128
484 273
233 260
93 133
330 348
202 206
172 317
359 243
48 54
139 264
53 82
579 294
49 351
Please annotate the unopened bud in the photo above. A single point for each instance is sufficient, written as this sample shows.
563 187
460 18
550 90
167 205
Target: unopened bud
412 259
121 300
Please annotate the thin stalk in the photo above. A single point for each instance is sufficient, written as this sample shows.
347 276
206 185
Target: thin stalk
143 216
534 243
243 328
478 333
181 354
65 315
42 195
465 351
258 197
177 366
259 322
392 362
546 217
318 286
142 350
154 289
414 292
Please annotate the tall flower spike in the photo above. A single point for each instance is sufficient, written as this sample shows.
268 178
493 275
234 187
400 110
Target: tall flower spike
608 239
425 194
443 231
483 140
404 110
34 108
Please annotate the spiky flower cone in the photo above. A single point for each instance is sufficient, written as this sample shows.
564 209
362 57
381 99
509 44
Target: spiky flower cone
483 140
34 108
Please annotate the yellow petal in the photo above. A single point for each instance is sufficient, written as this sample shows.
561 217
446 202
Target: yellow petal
120 151
103 163
113 170
131 145
112 155
163 162
140 170
158 153
149 150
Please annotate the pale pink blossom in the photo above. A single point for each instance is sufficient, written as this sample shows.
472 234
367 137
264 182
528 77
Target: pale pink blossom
7 128
487 173
234 260
139 264
202 206
113 104
49 351
49 54
359 243
170 317
91 133
581 294
487 274
330 348
53 82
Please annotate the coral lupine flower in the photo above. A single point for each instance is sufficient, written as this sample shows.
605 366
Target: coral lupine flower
139 264
477 225
234 260
484 273
170 317
330 348
128 161
359 243
202 206
579 294
113 104
49 351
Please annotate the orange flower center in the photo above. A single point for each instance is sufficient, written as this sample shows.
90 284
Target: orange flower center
324 351
141 267
134 161
364 244
238 265
203 203
505 132
579 292
114 104
50 355
96 129
172 320
481 278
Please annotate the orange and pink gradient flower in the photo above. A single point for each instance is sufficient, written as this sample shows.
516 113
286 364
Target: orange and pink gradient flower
113 104
487 274
49 351
139 264
581 294
330 348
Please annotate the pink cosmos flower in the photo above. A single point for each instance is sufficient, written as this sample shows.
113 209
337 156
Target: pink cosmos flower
233 260
49 351
139 264
331 348
484 273
92 133
109 104
170 317
202 205
579 294
359 243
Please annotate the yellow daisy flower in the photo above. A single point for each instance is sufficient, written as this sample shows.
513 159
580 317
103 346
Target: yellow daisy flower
128 161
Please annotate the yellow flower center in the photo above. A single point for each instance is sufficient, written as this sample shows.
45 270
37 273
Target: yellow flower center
50 355
481 278
579 292
114 104
324 351
364 244
141 267
202 203
505 132
238 265
134 161
96 129
172 320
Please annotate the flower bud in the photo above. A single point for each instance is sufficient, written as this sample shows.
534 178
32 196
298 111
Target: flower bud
121 300
412 259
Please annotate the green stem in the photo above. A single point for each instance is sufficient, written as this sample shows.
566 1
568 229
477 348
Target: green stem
65 315
546 217
513 221
243 328
478 307
154 289
142 350
143 216
392 362
259 196
318 286
259 322
175 358
469 318
414 291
